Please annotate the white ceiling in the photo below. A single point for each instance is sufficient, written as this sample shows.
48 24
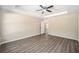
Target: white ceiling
31 9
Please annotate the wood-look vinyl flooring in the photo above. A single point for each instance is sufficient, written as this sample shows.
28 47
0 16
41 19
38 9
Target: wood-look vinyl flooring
41 44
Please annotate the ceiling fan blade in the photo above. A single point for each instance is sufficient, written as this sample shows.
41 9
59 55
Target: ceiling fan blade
41 6
49 7
49 10
39 10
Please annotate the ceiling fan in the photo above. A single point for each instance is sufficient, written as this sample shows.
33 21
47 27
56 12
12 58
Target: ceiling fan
44 8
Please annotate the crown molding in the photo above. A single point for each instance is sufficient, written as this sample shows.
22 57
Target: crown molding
56 14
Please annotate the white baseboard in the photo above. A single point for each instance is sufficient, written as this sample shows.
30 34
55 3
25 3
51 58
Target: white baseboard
64 36
18 39
35 35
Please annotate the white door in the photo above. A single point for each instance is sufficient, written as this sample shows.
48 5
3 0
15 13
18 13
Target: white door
42 27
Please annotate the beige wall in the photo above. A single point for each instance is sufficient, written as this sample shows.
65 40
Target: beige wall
0 28
78 28
63 26
17 26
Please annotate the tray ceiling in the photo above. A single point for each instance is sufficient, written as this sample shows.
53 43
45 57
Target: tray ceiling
31 9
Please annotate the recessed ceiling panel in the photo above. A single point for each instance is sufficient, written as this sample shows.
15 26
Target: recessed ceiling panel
33 9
